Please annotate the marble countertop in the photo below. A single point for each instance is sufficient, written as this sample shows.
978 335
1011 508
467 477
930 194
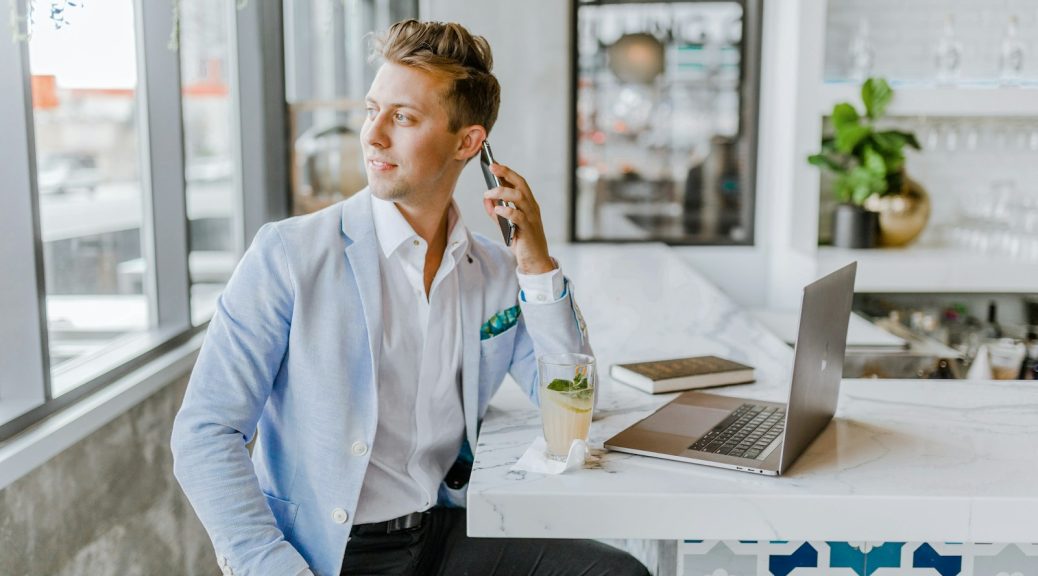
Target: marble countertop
911 460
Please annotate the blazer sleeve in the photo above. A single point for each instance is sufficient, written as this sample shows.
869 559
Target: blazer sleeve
232 379
547 328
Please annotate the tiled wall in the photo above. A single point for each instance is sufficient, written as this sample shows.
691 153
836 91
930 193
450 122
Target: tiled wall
752 558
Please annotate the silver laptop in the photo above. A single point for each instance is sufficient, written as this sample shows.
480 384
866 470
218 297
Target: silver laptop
753 435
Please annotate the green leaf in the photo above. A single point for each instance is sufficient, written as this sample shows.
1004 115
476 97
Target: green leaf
842 188
861 194
844 116
825 161
895 164
909 137
850 136
860 182
874 163
579 381
889 142
876 94
560 385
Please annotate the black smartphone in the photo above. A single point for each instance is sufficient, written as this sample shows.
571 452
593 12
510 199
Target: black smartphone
486 158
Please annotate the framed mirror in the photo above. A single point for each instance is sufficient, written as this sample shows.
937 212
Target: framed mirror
665 106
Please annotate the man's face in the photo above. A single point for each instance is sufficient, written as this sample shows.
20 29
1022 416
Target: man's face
408 150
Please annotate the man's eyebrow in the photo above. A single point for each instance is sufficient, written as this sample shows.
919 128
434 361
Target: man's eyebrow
396 104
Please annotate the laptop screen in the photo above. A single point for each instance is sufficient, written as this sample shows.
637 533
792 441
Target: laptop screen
817 360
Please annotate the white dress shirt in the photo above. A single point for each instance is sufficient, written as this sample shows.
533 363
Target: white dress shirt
420 417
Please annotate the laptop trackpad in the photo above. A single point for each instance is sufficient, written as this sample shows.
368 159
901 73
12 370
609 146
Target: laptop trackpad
684 420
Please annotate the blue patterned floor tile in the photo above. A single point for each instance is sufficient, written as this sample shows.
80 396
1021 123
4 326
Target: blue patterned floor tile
804 556
926 557
719 560
843 555
886 555
1011 560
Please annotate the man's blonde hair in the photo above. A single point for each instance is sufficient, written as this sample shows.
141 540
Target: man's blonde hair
447 49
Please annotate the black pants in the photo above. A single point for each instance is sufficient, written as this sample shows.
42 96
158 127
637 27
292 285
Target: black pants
440 548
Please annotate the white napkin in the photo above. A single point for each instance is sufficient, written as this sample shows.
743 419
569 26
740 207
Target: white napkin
536 460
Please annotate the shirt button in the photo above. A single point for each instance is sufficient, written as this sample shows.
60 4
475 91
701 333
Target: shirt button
359 448
541 297
340 516
417 243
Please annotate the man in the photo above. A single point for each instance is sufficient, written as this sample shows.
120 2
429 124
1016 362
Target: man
365 342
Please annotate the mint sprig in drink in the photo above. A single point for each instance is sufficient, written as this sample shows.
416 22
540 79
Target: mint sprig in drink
567 400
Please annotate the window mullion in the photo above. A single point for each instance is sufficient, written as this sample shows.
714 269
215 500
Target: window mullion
238 236
164 232
24 364
259 58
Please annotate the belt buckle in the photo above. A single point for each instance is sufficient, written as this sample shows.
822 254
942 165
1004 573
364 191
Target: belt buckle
410 521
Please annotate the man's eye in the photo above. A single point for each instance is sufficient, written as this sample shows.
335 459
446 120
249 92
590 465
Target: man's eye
400 117
371 112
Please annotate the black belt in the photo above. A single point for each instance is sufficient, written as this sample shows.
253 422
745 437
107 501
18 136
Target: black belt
411 521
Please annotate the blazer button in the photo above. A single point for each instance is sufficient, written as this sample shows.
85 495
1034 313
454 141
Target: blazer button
359 448
340 516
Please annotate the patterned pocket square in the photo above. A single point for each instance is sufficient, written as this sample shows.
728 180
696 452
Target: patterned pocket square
499 322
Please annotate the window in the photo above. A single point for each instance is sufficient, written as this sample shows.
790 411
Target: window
666 114
125 206
88 177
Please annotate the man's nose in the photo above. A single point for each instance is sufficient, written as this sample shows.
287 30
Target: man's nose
374 133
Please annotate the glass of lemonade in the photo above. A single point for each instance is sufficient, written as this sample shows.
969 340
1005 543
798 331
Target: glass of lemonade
567 391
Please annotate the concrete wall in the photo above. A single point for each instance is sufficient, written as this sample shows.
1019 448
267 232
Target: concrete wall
109 505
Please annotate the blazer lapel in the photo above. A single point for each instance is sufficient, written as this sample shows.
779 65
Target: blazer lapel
471 283
362 254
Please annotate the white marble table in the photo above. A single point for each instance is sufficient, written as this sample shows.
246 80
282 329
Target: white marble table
907 460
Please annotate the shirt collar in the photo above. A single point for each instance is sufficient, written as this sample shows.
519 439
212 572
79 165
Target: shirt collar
392 229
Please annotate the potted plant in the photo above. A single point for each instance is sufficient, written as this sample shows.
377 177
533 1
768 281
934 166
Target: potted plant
869 164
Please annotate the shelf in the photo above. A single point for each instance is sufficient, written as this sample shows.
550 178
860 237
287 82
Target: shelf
919 269
921 100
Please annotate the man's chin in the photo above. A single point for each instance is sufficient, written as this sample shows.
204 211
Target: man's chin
386 191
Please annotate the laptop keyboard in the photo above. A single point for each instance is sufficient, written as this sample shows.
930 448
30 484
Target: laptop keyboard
745 433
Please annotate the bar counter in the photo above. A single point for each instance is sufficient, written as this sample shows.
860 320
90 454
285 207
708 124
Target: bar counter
903 460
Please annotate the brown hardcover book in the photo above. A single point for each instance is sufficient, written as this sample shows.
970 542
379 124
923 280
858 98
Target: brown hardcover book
681 374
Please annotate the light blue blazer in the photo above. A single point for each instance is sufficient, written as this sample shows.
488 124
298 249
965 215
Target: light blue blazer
291 355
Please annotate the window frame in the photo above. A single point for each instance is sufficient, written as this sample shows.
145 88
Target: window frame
260 157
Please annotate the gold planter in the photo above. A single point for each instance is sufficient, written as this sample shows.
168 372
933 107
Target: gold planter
902 216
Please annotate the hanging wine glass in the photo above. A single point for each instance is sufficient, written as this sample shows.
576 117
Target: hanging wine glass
861 53
948 54
1011 57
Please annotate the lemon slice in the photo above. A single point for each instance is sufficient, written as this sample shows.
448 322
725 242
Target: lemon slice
568 401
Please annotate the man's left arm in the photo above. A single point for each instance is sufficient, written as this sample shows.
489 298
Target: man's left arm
551 321
552 317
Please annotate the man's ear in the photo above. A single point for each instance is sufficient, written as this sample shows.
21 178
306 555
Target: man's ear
472 138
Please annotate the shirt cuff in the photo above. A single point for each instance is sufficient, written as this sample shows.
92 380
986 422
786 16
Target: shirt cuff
542 288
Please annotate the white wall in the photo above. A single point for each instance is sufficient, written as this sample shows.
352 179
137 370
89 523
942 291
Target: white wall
531 43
